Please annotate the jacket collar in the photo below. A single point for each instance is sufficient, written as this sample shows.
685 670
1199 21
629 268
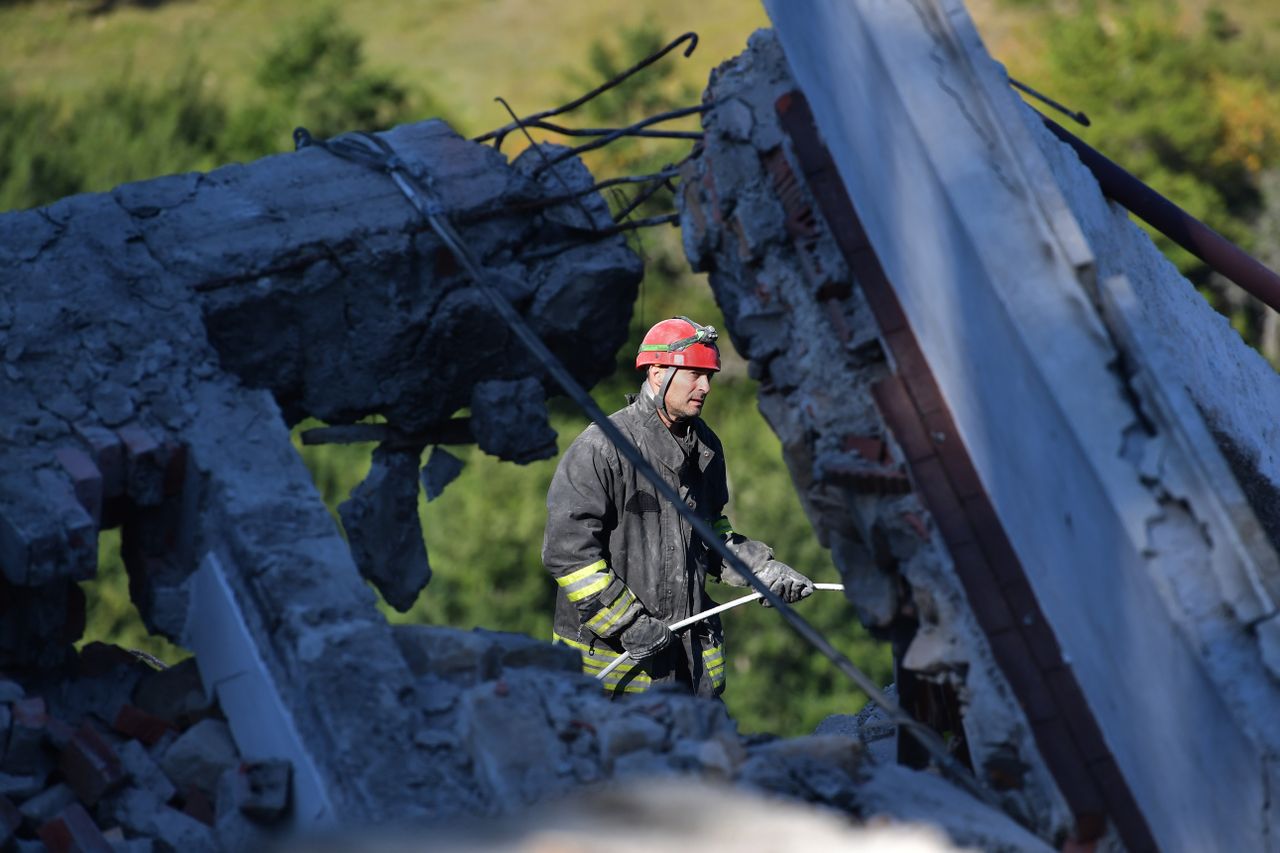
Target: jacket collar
663 445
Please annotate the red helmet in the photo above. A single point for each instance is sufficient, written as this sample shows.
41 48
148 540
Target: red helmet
680 342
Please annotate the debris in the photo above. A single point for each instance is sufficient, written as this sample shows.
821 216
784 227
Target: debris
442 468
200 755
383 529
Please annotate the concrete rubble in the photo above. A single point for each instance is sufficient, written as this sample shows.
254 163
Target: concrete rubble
87 765
157 344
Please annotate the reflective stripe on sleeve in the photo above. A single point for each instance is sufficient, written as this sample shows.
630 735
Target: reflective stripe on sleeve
713 660
628 675
586 581
608 617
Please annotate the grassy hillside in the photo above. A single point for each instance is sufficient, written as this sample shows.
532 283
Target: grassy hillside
465 53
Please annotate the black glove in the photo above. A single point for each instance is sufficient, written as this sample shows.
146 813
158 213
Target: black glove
785 582
645 637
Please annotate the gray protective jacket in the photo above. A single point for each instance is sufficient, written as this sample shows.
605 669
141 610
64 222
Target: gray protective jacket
616 549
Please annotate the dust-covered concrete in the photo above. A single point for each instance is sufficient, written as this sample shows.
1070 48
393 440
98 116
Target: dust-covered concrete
811 341
158 341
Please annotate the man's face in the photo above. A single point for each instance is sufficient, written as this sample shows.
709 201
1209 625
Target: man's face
688 390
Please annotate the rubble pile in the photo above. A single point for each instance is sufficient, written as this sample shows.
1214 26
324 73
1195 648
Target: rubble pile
156 343
113 754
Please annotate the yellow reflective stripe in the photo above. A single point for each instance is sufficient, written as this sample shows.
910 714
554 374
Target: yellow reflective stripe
722 526
595 660
600 582
578 574
606 619
586 581
713 660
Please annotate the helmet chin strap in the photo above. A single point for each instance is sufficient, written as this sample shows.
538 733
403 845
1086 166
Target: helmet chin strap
662 392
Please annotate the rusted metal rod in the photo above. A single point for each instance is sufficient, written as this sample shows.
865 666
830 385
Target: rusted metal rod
1190 233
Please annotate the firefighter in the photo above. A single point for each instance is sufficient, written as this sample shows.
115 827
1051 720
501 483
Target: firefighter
626 564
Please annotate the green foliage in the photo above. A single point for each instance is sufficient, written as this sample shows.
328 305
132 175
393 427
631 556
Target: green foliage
1169 105
110 615
317 74
130 129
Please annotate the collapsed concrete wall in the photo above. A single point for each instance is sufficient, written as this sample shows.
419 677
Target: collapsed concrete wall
158 339
937 299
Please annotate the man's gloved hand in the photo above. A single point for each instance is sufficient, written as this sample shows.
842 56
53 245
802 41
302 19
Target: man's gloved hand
645 637
785 582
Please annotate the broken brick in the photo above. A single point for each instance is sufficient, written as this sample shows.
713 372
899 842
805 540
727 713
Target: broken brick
107 455
86 479
91 766
45 805
73 831
144 771
133 722
197 804
941 501
144 465
260 789
175 694
868 447
25 755
900 415
200 755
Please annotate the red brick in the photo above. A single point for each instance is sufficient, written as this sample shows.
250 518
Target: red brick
1035 630
136 723
942 503
73 831
1121 807
900 415
797 120
1004 562
878 292
1068 768
947 443
1078 715
985 598
175 467
915 372
108 457
196 804
86 479
800 222
91 766
1028 684
144 464
869 447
